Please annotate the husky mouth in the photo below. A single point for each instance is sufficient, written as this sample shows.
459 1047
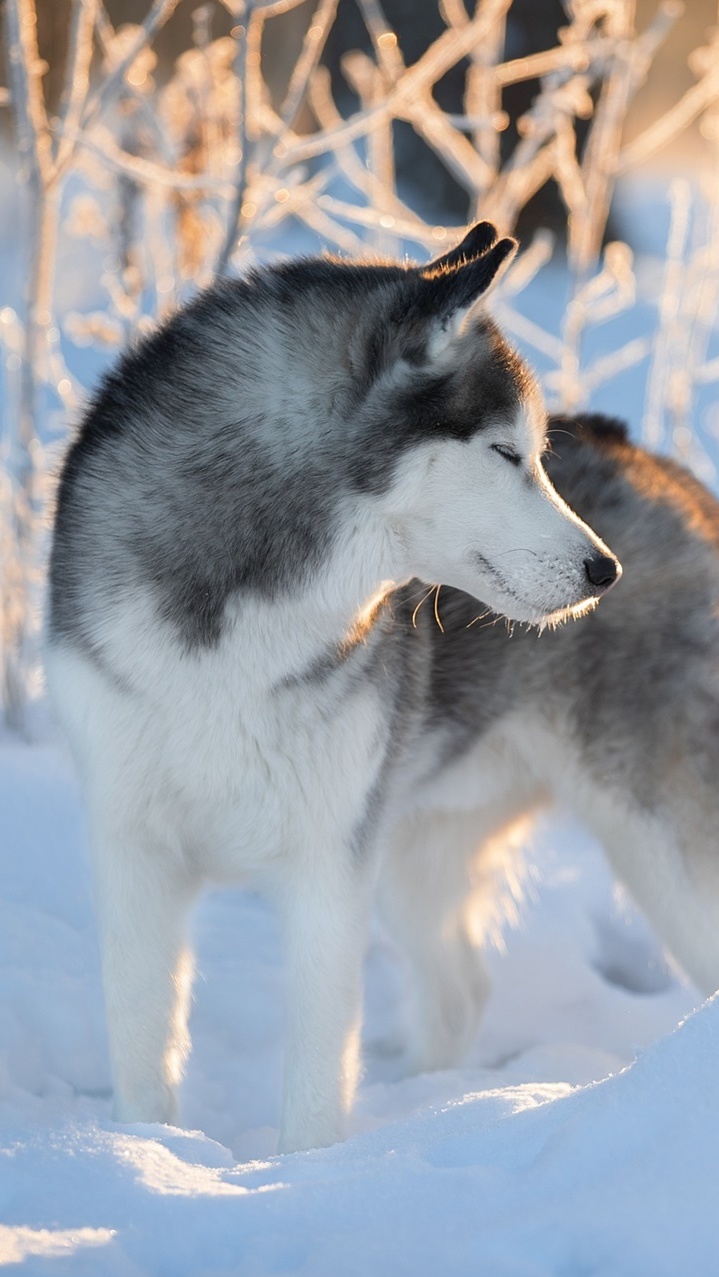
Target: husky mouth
551 620
519 608
525 613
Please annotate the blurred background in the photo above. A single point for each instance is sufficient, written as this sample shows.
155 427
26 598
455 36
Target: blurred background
148 146
531 26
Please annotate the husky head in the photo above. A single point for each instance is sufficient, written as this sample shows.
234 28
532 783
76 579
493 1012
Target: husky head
458 417
338 423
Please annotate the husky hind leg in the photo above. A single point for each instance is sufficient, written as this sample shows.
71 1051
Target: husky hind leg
425 893
443 893
667 860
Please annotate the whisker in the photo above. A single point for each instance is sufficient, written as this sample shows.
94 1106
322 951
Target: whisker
422 600
478 618
436 608
414 594
495 621
517 549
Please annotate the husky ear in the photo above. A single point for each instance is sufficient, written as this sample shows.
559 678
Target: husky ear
449 298
478 239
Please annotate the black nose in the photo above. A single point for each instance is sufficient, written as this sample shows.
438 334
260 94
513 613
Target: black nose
601 572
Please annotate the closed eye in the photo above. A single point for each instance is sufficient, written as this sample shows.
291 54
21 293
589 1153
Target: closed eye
508 453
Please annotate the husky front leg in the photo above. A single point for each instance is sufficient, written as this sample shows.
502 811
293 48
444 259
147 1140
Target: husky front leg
142 903
324 918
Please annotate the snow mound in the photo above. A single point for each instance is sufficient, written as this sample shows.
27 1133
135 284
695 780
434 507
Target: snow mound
522 1164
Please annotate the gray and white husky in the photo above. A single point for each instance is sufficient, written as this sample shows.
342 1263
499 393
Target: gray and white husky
242 526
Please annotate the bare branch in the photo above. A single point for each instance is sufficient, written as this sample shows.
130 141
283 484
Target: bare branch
160 11
671 125
306 64
25 80
77 76
105 34
234 216
142 171
206 169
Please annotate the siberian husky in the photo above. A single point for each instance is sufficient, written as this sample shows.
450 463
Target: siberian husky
242 525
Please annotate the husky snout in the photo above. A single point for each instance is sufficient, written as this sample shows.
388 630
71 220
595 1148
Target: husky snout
602 572
544 564
577 567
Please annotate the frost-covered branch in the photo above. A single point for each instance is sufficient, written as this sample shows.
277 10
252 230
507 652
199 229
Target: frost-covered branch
166 179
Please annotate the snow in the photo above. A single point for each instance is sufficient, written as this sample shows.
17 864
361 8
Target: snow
581 1137
555 1150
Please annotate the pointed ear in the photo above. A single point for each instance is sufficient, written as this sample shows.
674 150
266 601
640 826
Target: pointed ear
450 298
478 239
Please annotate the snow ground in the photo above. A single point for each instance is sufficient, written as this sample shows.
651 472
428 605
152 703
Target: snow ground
554 1153
522 1164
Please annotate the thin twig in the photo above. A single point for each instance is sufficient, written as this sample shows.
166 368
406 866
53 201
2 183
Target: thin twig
28 104
77 77
310 54
235 210
158 15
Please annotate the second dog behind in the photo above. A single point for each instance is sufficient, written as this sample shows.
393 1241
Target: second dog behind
615 715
